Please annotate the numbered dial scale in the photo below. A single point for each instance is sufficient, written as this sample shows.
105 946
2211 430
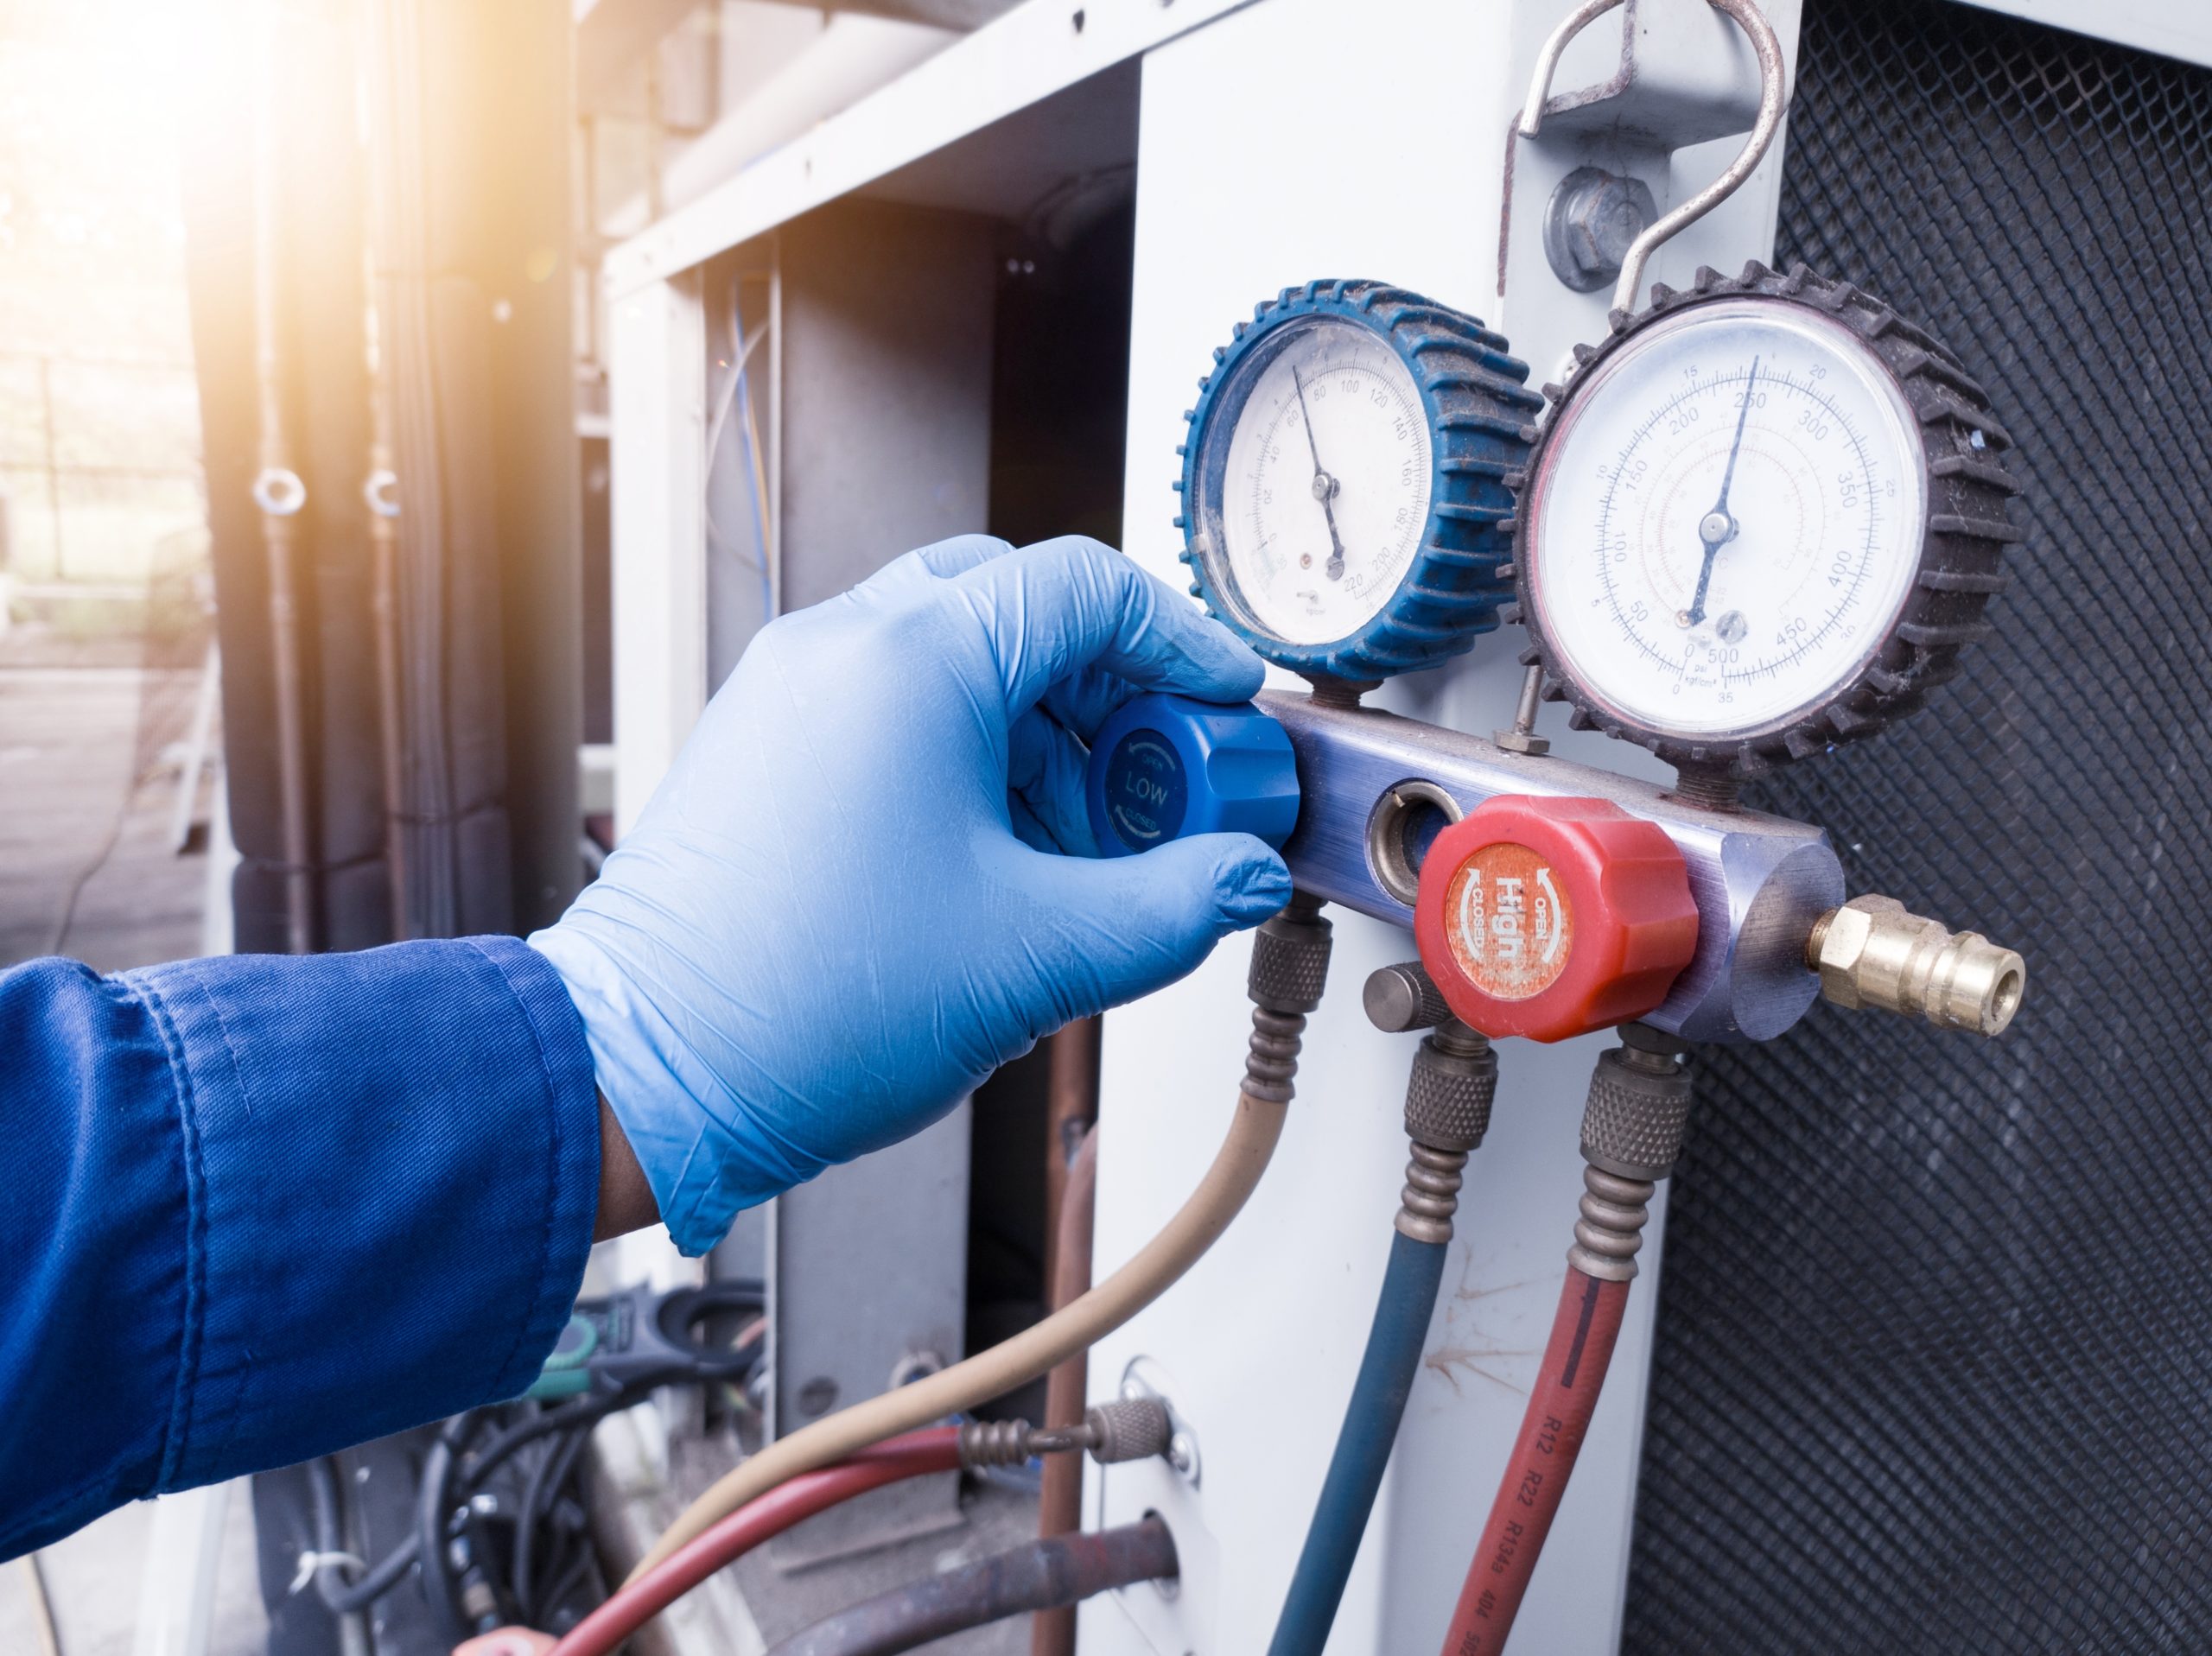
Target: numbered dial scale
1763 518
1343 482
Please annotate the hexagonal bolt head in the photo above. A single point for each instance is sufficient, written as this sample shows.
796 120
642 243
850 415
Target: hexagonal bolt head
1591 220
1873 952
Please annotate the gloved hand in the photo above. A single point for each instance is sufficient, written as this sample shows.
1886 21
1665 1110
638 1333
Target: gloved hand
867 881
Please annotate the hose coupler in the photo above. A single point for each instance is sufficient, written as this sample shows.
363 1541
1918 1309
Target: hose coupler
1448 1097
1289 970
1639 1103
1874 952
1632 1128
1290 958
1126 1428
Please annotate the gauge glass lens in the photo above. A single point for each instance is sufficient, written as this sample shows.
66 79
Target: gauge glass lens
1315 492
1727 521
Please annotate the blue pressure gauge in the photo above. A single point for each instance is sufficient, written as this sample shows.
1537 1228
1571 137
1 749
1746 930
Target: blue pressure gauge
1345 505
1165 767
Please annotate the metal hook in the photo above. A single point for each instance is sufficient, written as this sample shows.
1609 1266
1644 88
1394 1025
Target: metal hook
1772 81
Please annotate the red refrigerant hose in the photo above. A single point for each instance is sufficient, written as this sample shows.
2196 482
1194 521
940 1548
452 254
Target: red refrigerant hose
914 1455
1552 1430
1632 1132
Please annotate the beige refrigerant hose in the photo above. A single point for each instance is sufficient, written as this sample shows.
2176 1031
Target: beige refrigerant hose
1289 964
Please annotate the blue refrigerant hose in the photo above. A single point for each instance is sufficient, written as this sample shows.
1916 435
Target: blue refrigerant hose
1394 1344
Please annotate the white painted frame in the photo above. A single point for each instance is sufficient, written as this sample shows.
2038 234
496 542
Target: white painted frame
656 341
2172 28
657 372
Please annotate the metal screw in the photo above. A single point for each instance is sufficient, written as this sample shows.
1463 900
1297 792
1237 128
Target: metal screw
1183 1445
1183 1455
1593 219
1522 737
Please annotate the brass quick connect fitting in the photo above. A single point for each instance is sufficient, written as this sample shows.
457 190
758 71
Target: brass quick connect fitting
1873 952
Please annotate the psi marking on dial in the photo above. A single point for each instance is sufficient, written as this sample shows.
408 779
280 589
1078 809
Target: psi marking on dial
1729 520
1327 484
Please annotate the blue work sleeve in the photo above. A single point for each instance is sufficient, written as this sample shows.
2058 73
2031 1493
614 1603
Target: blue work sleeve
258 1208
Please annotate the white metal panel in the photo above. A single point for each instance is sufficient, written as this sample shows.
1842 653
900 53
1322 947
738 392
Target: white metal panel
2173 28
1278 145
1033 51
657 379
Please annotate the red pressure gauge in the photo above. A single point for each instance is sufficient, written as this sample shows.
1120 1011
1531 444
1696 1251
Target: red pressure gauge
1552 917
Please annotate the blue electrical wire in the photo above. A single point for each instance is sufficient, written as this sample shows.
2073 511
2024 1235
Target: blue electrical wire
1378 1400
734 405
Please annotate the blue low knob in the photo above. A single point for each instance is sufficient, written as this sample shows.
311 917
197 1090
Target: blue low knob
1167 766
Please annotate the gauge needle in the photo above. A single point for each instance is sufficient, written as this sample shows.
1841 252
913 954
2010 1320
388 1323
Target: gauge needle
1325 486
1716 529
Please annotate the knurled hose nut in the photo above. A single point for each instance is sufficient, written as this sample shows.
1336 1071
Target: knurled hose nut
1290 961
1873 952
1449 1092
1638 1105
1129 1429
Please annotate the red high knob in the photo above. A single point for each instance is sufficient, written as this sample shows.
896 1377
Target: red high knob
1552 917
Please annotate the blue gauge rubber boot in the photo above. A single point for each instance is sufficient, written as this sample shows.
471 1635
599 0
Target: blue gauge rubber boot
1165 767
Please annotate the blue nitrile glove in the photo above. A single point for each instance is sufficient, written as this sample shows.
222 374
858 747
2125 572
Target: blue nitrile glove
866 883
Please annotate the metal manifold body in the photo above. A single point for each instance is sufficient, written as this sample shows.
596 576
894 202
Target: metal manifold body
1761 883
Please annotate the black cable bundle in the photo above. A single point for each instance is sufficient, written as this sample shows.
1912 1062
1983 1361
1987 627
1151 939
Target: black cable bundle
488 1551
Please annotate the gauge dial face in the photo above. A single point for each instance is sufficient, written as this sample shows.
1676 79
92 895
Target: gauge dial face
1314 497
1727 521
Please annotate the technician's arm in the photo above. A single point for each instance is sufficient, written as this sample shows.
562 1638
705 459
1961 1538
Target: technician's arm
258 1208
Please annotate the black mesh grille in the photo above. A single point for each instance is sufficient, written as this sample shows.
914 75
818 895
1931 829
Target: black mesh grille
1935 1355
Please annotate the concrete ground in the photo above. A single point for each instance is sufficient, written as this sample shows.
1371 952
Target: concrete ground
96 1578
68 738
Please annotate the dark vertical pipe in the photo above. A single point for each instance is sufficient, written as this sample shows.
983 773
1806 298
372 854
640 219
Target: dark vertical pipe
470 145
279 493
524 250
380 494
1070 1185
1059 1507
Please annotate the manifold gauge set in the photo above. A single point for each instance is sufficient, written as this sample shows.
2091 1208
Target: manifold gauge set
1760 520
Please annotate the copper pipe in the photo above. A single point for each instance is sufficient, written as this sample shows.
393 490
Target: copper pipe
1071 1106
1059 1509
1058 1571
280 494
